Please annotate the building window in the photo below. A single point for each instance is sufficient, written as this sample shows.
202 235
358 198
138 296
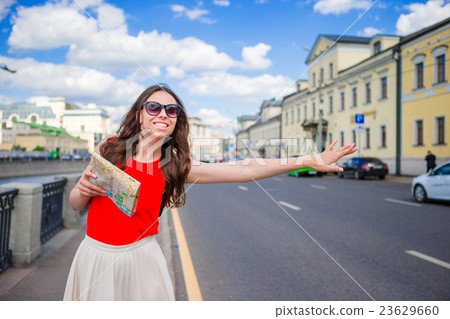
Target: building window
342 138
292 116
342 100
82 128
383 88
439 56
33 119
354 97
298 115
305 112
330 104
367 137
418 132
440 62
330 66
383 136
354 136
313 80
321 76
440 130
419 75
330 138
377 47
368 93
313 110
286 120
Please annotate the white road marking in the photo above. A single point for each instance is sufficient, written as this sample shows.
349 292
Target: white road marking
428 258
318 186
289 205
243 188
402 202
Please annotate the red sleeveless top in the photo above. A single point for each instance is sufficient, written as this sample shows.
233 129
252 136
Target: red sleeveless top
108 224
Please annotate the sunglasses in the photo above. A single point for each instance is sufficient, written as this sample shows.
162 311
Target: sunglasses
154 108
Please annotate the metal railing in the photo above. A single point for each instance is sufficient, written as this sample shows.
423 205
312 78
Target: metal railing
6 207
52 208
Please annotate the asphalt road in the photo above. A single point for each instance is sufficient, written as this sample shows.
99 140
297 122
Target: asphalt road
329 239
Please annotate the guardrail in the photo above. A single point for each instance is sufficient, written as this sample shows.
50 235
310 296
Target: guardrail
52 208
40 212
6 207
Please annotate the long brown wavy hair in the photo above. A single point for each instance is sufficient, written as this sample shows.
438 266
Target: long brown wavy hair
178 163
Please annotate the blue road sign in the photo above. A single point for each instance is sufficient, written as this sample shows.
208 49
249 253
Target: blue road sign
359 118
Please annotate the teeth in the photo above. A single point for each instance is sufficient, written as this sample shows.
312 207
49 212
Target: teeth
161 124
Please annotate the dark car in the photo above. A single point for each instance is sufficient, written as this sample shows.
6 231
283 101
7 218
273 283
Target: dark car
360 167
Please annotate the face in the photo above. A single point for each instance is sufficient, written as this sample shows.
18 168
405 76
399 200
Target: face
160 124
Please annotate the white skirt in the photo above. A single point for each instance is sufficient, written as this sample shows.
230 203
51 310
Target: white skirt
131 272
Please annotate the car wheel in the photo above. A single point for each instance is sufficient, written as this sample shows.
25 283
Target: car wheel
340 175
358 175
381 176
420 194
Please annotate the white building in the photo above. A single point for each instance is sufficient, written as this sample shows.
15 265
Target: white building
89 122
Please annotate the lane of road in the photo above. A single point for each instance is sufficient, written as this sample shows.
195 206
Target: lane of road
245 247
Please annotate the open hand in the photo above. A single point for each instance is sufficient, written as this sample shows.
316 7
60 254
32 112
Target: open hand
321 162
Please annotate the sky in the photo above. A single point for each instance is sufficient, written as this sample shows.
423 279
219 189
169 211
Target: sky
222 57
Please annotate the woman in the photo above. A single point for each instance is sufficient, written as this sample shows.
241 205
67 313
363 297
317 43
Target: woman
119 258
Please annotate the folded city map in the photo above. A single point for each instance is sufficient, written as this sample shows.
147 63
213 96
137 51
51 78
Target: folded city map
120 187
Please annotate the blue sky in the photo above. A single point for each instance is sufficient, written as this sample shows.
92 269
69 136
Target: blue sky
222 57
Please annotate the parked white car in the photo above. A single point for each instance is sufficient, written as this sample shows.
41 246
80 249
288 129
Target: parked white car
433 185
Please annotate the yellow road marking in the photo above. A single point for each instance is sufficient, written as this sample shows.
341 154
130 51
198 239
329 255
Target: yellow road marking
190 279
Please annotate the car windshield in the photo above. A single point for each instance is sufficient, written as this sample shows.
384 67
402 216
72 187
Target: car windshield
444 170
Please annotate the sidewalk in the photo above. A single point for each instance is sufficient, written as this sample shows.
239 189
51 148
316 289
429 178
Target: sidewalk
399 179
45 280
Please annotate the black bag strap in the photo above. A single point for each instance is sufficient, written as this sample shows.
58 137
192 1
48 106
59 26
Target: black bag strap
164 202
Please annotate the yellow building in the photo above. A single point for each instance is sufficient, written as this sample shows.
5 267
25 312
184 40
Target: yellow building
50 138
425 96
347 76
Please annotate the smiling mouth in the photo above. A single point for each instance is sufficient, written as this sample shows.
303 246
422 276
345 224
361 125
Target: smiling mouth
160 124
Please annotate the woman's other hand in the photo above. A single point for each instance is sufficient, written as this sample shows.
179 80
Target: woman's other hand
86 188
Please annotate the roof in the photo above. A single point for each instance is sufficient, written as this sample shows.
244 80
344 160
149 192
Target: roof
25 109
338 39
423 31
48 130
346 38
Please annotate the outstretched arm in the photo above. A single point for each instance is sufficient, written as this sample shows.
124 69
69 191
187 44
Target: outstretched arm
258 168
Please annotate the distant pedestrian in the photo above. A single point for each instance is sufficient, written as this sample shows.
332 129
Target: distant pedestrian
431 160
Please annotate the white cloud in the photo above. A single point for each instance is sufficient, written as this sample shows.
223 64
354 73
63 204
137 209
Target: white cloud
5 7
254 57
192 14
340 6
6 100
73 82
111 18
50 26
422 15
225 84
213 117
369 32
174 72
223 3
56 24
